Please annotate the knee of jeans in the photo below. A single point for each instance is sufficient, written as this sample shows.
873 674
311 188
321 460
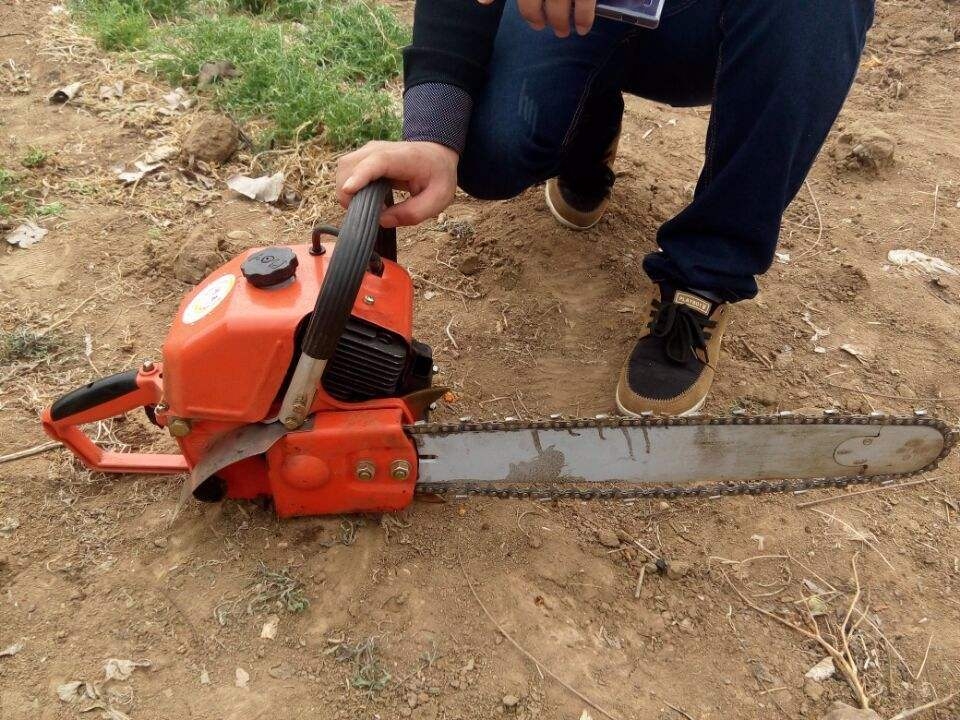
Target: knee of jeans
500 166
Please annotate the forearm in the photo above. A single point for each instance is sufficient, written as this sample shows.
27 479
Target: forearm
445 67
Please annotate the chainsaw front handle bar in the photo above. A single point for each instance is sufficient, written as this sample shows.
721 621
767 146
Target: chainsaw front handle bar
104 399
348 264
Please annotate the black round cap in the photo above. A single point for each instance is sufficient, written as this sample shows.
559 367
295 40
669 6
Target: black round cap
270 266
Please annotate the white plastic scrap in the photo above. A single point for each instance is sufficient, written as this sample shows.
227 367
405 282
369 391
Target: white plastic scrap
265 189
131 176
116 669
11 650
7 526
926 263
65 93
822 670
26 234
269 631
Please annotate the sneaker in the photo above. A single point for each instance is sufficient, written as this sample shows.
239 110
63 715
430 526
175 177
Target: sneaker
577 199
671 368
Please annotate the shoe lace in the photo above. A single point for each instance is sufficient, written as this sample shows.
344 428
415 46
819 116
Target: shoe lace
683 329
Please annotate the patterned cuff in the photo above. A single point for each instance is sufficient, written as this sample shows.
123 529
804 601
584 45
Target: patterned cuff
437 112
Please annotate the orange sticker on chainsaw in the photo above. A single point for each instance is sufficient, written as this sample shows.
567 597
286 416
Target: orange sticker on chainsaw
207 299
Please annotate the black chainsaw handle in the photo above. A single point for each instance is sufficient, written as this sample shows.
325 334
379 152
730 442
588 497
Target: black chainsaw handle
348 263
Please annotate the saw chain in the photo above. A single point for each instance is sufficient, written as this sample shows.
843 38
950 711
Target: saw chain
673 492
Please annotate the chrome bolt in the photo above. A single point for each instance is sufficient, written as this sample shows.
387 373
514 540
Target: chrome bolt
147 366
179 427
366 470
368 299
399 469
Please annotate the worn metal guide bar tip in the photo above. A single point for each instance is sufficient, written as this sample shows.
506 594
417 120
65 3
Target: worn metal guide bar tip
674 457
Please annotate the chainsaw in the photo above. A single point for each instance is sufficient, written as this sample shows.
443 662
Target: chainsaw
291 373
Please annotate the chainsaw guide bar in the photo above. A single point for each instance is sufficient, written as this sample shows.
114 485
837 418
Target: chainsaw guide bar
661 457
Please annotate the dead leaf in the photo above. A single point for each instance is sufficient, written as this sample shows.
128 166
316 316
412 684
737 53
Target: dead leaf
26 234
116 669
128 177
210 72
178 99
159 153
926 263
862 356
265 189
71 691
112 91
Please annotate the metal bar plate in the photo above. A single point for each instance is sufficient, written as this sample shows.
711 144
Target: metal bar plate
675 454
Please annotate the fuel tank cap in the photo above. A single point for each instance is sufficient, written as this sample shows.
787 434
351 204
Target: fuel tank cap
270 266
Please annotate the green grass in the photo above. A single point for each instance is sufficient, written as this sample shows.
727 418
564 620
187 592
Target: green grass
7 189
309 67
15 200
35 157
24 344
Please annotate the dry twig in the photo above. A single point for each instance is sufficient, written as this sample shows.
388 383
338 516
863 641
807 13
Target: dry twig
20 454
881 488
904 714
842 656
539 665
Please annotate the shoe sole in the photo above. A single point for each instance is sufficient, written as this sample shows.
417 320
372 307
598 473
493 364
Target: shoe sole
685 413
560 218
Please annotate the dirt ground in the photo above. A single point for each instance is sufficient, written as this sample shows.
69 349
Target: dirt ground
95 567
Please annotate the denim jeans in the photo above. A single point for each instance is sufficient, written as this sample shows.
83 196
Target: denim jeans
775 71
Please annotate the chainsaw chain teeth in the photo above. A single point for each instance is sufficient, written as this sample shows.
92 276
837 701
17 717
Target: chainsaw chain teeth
673 492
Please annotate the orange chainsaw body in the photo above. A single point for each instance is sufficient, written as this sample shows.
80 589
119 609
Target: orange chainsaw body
226 362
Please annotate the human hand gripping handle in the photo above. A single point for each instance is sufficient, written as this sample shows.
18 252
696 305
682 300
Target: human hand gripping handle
556 14
428 171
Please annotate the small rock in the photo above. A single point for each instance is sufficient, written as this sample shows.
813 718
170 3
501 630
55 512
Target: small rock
241 678
510 701
160 542
412 700
813 690
534 541
784 358
405 712
906 391
862 147
198 255
211 137
822 670
204 677
470 264
460 221
842 711
239 235
678 569
608 538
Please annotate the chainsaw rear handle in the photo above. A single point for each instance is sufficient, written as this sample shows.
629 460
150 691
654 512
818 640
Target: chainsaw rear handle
350 260
103 399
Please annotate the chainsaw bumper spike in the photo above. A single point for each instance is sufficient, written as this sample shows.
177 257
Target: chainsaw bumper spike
297 378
